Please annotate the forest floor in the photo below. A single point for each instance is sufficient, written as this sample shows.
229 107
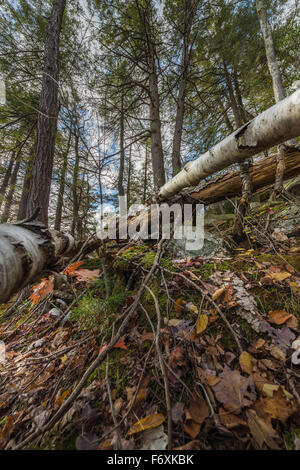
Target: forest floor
208 358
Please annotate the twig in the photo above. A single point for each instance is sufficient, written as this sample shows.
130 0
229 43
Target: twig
68 402
162 366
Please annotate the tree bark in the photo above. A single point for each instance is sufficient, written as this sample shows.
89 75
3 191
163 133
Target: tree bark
275 125
25 188
25 250
155 122
47 118
279 92
278 88
11 191
122 152
74 186
190 10
61 191
6 178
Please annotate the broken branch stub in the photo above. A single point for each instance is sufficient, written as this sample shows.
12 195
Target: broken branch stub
277 124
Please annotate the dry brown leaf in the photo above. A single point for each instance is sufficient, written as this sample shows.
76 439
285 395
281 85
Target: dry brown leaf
262 431
179 305
278 316
233 422
280 276
151 421
218 293
278 406
201 324
246 362
196 414
212 380
234 390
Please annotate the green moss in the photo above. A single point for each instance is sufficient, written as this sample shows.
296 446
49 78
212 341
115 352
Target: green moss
132 253
91 263
118 375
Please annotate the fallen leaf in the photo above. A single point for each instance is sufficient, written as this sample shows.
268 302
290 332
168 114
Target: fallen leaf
41 290
69 270
278 316
246 362
218 293
120 345
87 275
192 308
151 421
262 431
233 422
177 412
278 406
201 324
179 305
234 390
195 415
280 276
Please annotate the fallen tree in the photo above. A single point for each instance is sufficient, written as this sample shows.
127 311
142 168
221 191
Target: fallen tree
276 125
229 185
27 247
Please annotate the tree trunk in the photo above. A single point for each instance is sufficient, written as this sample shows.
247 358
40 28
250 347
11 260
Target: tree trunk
190 10
230 184
122 152
74 186
61 191
237 107
155 123
128 189
11 191
279 91
25 188
47 118
275 125
155 129
25 250
145 175
6 178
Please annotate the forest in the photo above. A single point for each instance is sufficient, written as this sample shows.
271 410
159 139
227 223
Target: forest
152 107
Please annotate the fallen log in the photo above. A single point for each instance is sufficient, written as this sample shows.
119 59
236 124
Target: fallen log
230 185
274 126
28 248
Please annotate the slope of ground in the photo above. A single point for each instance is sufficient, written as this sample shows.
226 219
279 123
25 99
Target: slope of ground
208 356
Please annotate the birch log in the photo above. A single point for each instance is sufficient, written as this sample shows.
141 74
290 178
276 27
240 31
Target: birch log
25 250
277 124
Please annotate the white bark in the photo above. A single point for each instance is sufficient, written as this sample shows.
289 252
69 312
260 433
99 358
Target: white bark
25 250
279 92
277 124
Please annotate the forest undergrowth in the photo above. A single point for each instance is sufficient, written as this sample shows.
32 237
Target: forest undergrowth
160 351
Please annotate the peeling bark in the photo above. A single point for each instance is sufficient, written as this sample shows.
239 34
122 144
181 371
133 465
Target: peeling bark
26 249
